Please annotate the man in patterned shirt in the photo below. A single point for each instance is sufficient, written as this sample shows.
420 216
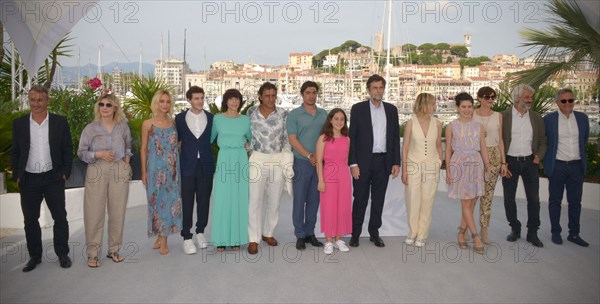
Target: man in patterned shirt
269 139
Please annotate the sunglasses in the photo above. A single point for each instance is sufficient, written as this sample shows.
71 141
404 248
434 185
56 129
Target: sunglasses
567 100
108 105
488 97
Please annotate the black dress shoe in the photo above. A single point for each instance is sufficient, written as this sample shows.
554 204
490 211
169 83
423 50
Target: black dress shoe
534 240
65 261
353 241
577 240
557 239
313 241
31 264
377 241
513 236
300 244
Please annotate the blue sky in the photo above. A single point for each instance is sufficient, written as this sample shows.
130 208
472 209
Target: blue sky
265 32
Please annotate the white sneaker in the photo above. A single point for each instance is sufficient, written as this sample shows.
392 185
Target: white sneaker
420 243
409 241
328 248
189 247
341 246
202 243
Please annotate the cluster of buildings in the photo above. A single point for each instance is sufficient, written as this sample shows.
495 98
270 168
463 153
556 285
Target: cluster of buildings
405 80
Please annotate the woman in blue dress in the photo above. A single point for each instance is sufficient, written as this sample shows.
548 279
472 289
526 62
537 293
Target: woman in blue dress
160 174
230 201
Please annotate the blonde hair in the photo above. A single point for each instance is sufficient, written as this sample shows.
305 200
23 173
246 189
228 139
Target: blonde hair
423 100
156 100
117 114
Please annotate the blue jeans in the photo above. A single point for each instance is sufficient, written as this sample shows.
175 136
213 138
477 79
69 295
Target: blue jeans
306 198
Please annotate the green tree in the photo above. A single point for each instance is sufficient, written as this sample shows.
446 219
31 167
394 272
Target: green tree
77 107
143 89
459 50
426 46
570 37
8 112
442 46
408 47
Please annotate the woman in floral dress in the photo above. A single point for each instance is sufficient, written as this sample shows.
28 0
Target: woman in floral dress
160 174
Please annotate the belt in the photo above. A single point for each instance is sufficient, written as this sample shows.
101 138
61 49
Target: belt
568 162
379 154
520 158
40 173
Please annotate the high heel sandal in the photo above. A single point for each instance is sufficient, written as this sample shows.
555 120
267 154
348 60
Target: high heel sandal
461 232
478 249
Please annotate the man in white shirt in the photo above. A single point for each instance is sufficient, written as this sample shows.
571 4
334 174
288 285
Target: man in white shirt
41 159
565 163
525 144
197 167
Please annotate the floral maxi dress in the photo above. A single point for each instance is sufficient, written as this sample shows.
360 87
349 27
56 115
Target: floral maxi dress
164 182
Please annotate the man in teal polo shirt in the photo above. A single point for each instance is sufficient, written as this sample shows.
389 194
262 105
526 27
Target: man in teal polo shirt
304 128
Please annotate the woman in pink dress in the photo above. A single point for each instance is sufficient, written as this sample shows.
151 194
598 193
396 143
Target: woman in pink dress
335 180
465 148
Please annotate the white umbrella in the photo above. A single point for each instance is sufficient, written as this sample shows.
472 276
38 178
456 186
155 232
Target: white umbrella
35 27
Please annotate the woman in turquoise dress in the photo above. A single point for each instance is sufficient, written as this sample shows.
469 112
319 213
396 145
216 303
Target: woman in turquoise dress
230 194
160 174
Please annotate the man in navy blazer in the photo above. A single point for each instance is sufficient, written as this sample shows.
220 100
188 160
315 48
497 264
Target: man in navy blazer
41 159
564 163
197 167
374 155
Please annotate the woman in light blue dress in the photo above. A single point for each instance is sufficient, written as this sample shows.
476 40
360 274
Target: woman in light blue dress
160 174
230 201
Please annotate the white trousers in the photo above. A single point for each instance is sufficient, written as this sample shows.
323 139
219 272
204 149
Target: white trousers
266 177
423 179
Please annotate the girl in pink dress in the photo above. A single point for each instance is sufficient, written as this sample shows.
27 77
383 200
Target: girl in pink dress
466 158
335 180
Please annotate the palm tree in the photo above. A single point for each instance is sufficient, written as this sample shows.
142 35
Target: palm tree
570 36
51 62
144 89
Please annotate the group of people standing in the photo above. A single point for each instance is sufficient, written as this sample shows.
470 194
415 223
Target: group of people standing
317 148
481 145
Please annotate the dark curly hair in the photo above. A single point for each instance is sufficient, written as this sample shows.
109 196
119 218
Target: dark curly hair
463 96
193 89
231 93
265 86
327 129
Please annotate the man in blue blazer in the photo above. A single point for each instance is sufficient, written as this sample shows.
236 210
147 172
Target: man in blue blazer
374 155
197 167
41 159
564 163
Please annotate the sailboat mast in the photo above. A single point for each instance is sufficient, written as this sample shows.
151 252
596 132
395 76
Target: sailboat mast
387 61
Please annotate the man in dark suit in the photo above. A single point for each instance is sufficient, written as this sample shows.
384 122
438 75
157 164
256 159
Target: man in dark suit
524 139
41 159
197 167
564 163
374 155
